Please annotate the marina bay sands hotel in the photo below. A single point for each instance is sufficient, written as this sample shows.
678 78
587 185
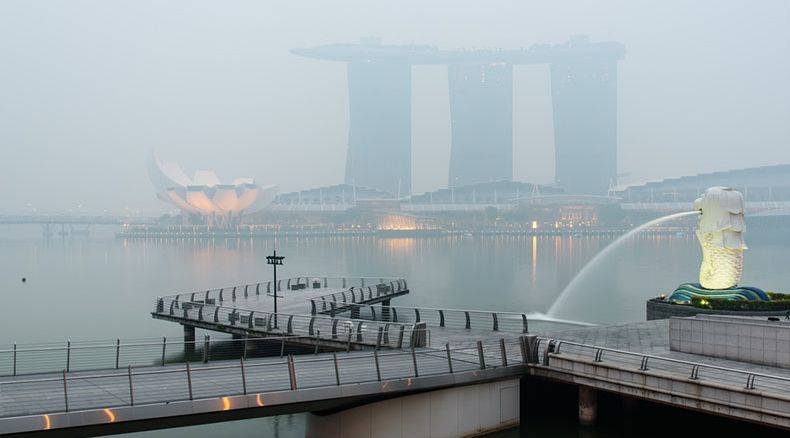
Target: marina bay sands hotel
584 98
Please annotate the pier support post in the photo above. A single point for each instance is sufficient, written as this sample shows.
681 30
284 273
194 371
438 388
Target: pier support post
588 406
385 310
189 333
189 339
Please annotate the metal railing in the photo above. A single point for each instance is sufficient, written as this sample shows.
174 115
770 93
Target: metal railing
359 294
641 362
21 359
453 318
348 284
347 330
129 385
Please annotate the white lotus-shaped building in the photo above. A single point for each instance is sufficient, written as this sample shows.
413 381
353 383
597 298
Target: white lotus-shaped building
205 194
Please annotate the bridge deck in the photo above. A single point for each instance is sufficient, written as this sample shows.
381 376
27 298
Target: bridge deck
652 338
108 389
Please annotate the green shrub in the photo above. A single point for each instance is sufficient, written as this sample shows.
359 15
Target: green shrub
779 302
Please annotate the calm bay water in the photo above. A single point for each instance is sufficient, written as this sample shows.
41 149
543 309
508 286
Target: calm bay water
100 287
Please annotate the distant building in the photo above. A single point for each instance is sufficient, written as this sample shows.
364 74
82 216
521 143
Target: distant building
584 93
481 114
205 195
336 198
766 190
477 197
765 183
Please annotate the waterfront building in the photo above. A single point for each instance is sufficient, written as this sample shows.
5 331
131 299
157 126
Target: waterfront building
584 92
205 196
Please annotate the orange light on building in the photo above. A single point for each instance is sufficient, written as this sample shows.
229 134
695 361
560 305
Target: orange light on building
534 225
259 400
47 422
225 404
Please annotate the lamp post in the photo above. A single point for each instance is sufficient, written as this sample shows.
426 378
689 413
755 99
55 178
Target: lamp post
275 260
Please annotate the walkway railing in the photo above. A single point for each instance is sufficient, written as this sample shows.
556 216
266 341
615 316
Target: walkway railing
695 371
452 318
231 293
354 295
345 330
18 360
64 391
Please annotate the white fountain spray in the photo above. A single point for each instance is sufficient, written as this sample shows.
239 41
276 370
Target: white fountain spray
581 276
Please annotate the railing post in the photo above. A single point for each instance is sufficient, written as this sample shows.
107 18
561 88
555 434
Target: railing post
292 372
414 361
400 337
337 368
206 347
117 353
65 392
282 347
312 307
378 369
189 381
378 338
348 344
441 318
244 348
131 387
243 377
449 358
496 322
164 346
317 340
480 356
503 351
416 315
14 365
468 321
68 355
524 323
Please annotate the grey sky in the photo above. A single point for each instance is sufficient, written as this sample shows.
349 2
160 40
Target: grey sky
88 87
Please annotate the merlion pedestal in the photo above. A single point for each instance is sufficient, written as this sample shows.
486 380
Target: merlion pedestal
720 234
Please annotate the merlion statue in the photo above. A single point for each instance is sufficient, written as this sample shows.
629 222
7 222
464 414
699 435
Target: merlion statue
720 233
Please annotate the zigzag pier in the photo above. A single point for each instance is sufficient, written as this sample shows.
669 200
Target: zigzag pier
344 353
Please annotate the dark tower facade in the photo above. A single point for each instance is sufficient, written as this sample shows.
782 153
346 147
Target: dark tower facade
584 94
379 137
481 111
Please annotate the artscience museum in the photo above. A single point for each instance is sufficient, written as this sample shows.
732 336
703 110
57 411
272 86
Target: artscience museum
204 195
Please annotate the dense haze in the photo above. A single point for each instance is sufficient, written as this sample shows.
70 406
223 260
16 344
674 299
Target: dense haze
87 88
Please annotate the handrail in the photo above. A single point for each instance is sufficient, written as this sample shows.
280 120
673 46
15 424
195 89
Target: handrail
357 328
378 280
669 359
394 311
350 368
653 358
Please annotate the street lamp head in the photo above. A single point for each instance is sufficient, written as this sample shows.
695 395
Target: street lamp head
274 260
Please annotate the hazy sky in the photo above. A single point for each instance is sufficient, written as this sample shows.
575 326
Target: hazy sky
87 88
